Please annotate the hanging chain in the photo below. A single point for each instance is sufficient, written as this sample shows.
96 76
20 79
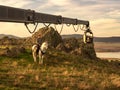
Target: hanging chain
46 25
60 29
76 29
83 28
26 24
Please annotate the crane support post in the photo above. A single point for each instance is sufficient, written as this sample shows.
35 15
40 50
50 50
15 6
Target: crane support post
10 14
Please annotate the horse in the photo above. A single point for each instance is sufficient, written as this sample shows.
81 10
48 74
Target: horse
39 51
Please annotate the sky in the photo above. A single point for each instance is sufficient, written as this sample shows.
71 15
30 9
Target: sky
104 15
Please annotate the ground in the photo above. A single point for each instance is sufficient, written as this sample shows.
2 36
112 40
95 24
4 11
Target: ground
60 71
107 47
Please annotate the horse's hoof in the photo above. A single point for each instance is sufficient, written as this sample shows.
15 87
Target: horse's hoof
35 61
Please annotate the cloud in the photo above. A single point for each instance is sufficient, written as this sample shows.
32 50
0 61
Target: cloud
59 2
104 15
15 3
114 14
106 27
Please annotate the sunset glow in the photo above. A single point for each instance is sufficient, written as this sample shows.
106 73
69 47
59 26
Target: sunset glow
104 15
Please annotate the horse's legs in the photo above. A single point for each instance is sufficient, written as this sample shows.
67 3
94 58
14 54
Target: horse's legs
40 57
34 56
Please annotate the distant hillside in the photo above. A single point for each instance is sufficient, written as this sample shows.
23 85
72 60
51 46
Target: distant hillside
72 35
96 39
10 36
107 39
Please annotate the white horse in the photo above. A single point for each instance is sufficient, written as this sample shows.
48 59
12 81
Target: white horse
39 51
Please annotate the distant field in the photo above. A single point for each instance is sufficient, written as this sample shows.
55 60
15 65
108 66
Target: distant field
106 47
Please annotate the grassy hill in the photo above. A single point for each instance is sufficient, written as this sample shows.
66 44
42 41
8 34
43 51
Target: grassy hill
10 36
72 36
60 71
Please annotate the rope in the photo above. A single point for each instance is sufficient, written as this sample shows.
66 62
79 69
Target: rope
76 29
61 28
26 24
